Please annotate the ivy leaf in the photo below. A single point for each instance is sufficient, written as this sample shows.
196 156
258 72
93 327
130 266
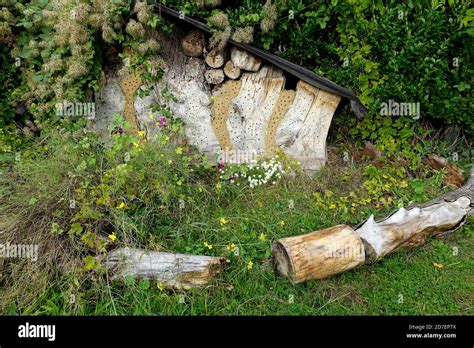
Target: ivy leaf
90 263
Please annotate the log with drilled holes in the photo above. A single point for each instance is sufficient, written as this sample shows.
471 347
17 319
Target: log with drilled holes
174 271
318 254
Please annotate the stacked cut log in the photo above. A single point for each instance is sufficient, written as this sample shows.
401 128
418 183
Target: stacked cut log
324 253
194 43
231 70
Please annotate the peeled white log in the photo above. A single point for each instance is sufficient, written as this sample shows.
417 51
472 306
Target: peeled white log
302 133
216 58
245 60
214 76
193 43
231 70
411 227
174 271
319 254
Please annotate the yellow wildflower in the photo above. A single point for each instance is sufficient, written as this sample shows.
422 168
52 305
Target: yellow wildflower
223 221
122 205
112 237
141 133
230 247
152 116
249 265
135 144
262 236
207 245
160 286
281 223
403 184
179 150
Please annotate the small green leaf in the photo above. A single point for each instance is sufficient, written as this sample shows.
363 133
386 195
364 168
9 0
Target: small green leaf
128 280
144 284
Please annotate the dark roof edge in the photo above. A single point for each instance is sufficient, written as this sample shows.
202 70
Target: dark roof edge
292 68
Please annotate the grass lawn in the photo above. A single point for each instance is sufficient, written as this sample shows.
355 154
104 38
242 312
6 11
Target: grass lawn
405 282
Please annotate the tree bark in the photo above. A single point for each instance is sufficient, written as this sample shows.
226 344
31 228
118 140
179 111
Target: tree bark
232 71
318 254
174 271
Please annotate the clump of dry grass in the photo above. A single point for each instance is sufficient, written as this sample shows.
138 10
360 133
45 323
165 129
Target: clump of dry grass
26 222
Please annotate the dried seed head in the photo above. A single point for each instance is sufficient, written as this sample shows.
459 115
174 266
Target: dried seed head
135 29
244 35
220 20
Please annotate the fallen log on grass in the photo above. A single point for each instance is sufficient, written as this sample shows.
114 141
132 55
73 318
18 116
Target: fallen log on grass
334 250
173 271
318 254
414 225
411 227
